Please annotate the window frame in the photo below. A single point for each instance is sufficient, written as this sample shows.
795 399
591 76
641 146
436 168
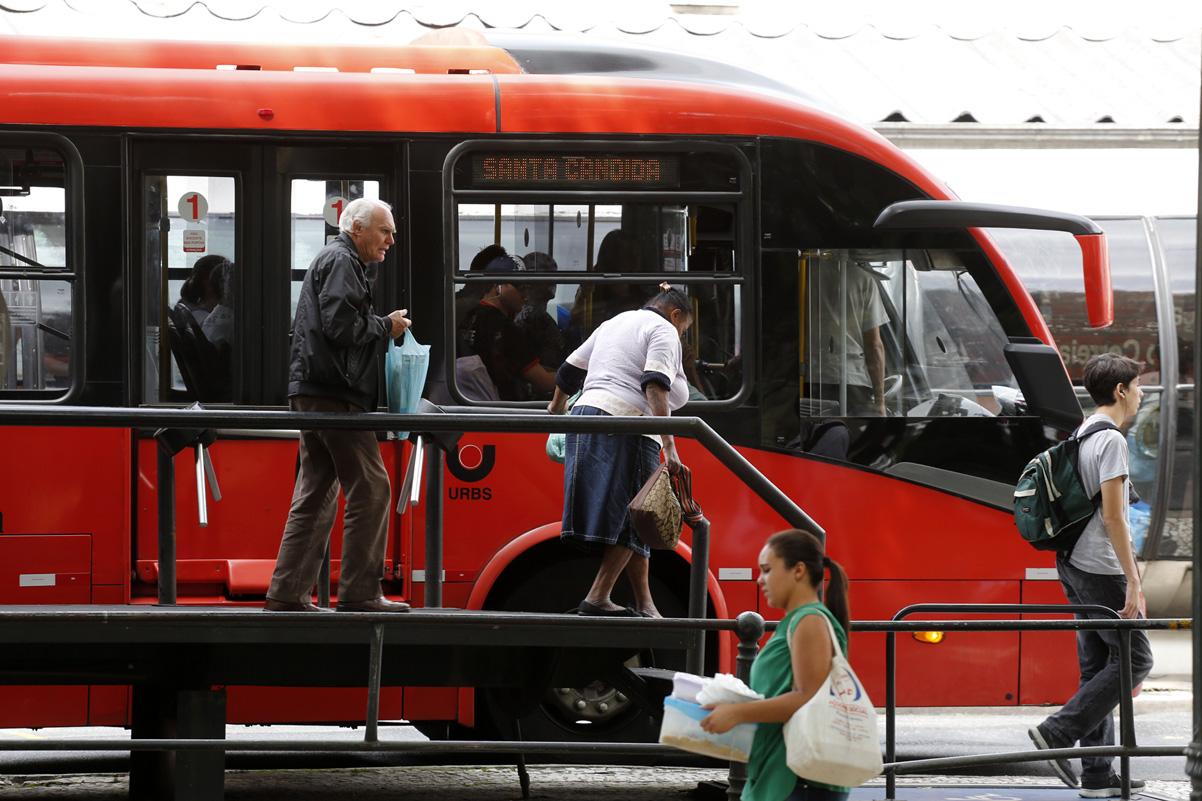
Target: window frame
74 261
740 198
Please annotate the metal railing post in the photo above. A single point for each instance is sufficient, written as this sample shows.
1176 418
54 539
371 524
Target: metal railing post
749 627
323 578
166 493
890 713
434 499
698 593
375 666
1126 710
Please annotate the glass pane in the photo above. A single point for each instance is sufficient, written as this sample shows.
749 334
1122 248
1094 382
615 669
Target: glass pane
1177 536
899 333
35 315
1178 240
554 318
188 294
1143 449
35 334
316 209
1049 264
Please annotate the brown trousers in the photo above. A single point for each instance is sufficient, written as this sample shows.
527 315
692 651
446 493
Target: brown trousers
329 460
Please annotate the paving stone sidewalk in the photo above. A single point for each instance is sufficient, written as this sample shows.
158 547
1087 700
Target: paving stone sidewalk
492 783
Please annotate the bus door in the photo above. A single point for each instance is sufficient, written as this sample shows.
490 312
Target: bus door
223 234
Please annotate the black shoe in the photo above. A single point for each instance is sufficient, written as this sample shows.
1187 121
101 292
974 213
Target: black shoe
272 605
1110 787
380 604
1062 767
592 610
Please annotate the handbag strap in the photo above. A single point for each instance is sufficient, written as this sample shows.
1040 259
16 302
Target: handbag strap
682 485
837 650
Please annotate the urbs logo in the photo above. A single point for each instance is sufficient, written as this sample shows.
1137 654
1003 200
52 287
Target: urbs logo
471 464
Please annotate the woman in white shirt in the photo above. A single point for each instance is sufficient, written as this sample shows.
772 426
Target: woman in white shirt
631 365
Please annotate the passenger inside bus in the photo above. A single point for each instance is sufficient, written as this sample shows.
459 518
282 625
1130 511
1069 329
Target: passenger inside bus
471 294
198 295
218 325
596 303
488 334
540 327
200 330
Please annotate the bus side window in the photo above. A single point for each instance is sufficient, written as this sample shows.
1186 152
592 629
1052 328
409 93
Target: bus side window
189 246
585 247
36 314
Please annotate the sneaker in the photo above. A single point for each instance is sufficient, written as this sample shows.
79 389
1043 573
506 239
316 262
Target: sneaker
1062 767
1110 787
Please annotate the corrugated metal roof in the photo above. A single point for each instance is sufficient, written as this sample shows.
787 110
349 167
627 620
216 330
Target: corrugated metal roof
1067 64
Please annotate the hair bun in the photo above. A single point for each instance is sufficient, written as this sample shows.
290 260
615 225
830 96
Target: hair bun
665 286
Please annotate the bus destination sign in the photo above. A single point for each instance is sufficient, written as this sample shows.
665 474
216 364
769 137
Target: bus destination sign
568 171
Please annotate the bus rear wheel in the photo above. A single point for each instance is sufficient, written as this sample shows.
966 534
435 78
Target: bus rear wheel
598 711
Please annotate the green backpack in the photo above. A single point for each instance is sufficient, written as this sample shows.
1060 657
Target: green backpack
1051 507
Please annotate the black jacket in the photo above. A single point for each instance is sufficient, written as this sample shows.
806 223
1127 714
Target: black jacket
337 337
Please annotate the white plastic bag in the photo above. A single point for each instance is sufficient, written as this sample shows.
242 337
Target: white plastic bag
833 738
726 689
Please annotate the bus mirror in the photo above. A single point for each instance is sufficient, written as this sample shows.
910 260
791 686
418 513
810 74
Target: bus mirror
1099 295
955 214
1044 384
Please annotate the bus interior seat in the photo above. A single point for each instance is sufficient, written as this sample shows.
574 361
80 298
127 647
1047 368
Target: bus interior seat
204 367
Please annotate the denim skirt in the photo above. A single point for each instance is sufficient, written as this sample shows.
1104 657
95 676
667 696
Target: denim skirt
602 474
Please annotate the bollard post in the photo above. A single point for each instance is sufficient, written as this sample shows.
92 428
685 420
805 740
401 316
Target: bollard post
749 627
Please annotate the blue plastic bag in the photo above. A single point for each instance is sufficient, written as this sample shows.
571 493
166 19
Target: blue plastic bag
556 443
405 370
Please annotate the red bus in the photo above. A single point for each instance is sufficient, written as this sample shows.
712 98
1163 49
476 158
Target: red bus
122 163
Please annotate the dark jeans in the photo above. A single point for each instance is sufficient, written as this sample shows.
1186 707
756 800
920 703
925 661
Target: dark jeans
1088 717
804 792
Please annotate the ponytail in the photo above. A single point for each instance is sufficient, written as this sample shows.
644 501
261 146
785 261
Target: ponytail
796 546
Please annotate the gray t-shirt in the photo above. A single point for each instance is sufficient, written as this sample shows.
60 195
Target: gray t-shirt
1102 457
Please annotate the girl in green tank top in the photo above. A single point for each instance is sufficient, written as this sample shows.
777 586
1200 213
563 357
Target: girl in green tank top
792 666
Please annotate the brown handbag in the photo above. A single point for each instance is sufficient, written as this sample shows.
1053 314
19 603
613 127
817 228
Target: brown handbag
655 512
657 515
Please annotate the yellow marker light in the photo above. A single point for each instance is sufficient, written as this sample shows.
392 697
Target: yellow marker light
932 637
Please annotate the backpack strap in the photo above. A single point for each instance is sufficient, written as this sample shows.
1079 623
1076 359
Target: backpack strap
1074 456
1101 425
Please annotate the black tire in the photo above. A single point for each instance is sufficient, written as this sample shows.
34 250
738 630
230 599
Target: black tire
598 712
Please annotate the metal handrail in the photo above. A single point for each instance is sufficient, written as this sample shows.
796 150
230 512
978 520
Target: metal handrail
197 418
1124 751
749 628
151 418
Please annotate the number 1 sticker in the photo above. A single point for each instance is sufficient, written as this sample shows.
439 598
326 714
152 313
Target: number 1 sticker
193 206
333 210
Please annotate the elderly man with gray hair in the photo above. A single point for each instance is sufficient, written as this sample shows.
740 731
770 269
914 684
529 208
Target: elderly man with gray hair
337 340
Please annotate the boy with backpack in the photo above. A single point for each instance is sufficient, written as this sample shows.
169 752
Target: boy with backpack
1100 569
